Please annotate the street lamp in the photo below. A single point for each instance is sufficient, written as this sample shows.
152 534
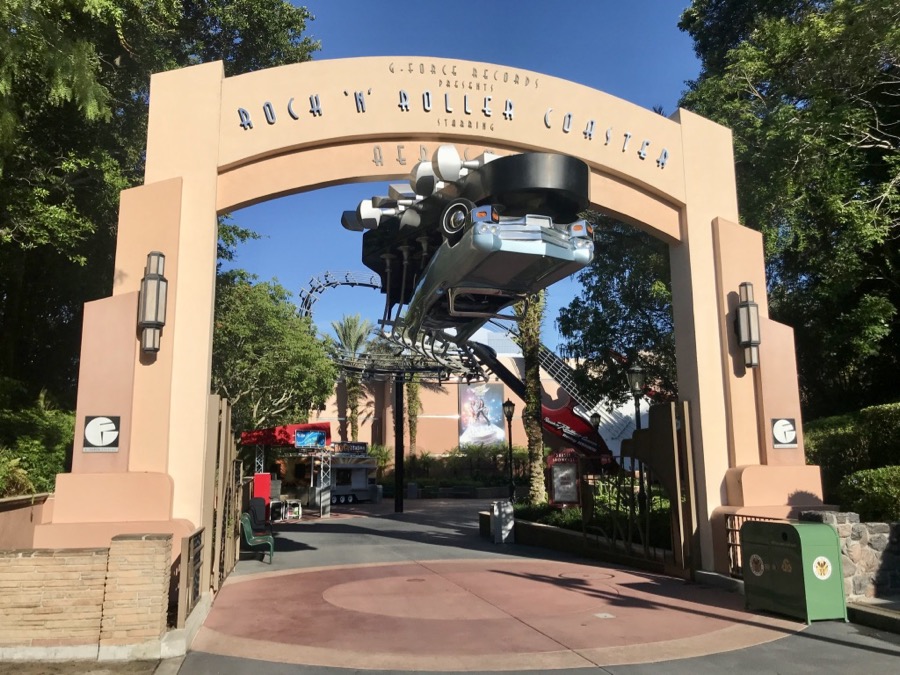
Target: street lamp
636 381
509 409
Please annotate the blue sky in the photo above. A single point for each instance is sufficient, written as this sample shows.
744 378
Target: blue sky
631 49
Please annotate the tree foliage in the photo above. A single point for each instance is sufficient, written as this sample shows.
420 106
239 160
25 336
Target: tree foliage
267 359
74 89
811 90
413 408
352 333
35 438
623 314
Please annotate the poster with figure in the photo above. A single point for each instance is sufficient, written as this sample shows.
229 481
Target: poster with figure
481 414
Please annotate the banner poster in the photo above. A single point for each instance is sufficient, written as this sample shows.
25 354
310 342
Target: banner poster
481 414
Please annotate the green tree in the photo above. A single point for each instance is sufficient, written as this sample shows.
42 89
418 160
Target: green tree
809 89
352 333
623 310
530 315
74 89
36 435
413 408
267 359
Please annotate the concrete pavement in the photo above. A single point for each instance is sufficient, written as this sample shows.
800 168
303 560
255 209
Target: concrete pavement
421 592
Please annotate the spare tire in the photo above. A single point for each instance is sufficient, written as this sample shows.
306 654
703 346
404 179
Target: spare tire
454 218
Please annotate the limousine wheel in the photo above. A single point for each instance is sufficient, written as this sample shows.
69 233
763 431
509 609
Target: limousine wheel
454 218
351 499
342 499
334 499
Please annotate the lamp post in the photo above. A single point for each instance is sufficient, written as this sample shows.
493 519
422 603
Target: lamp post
636 380
509 409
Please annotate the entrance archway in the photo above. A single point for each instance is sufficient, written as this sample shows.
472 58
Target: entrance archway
216 144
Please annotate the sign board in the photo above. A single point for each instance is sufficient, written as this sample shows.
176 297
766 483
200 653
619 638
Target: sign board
101 433
784 433
565 483
306 438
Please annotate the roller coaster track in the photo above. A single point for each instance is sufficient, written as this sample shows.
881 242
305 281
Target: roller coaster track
442 359
317 285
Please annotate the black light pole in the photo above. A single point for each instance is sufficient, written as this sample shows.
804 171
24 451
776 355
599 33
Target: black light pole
509 409
399 381
636 380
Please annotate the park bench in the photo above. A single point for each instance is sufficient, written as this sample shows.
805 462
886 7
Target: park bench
257 538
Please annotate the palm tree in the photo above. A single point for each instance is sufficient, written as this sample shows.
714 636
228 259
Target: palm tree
530 314
352 333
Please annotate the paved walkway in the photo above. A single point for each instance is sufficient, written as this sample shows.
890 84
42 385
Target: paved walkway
421 592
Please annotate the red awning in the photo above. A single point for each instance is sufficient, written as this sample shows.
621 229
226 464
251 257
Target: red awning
284 436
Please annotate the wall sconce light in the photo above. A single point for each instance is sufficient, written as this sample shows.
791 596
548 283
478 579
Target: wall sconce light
746 325
152 302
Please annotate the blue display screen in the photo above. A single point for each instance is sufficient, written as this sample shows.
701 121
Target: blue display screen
307 439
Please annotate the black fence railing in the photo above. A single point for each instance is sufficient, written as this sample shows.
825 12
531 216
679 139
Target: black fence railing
189 583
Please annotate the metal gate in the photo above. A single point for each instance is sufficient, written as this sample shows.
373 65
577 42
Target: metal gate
642 510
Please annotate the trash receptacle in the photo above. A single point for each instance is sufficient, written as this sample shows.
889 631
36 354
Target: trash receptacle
503 522
412 491
793 569
376 493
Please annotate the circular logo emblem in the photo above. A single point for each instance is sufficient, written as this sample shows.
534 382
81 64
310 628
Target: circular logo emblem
756 565
784 431
821 567
100 431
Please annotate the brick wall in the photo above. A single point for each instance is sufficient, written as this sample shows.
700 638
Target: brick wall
137 589
67 598
51 597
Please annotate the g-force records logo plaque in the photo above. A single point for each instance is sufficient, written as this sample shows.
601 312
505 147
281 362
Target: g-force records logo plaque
784 433
101 434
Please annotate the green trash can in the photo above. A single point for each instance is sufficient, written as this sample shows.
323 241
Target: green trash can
793 569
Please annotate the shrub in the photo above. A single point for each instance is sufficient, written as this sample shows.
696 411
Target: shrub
873 493
14 479
838 446
880 426
545 514
36 433
383 456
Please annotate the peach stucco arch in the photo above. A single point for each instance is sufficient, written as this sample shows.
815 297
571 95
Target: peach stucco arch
216 144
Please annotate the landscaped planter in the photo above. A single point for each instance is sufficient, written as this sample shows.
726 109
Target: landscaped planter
567 541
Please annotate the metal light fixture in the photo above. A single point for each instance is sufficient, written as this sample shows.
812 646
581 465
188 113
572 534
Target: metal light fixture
636 381
509 409
746 325
152 302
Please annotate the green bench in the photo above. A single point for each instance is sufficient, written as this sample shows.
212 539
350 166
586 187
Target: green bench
255 539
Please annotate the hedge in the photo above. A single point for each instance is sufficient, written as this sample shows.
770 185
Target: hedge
873 493
845 444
